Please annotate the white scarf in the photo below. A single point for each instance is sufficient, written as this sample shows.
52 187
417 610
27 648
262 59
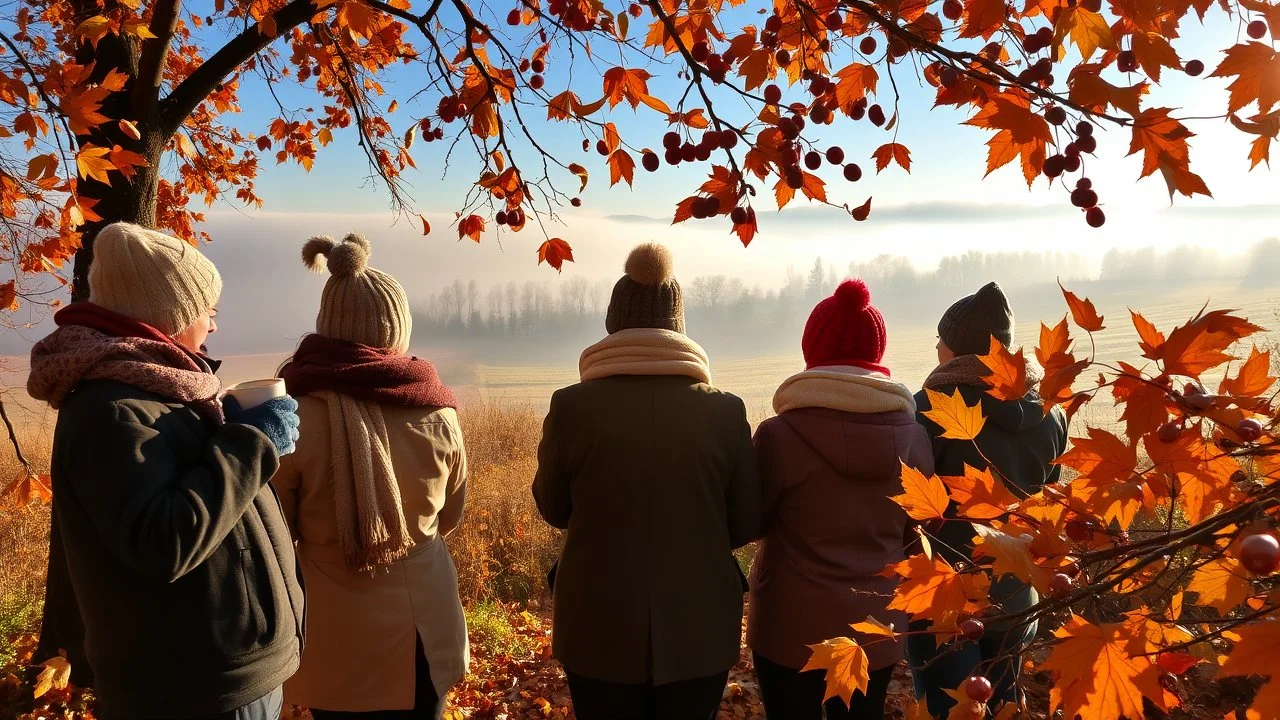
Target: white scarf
645 351
845 388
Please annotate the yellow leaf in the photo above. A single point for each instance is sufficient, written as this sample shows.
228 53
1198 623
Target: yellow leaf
55 676
128 128
325 136
581 172
393 106
924 498
1221 584
957 420
92 163
95 28
185 147
1011 555
872 626
139 29
845 663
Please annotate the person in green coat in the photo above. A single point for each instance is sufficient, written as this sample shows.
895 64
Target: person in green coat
1018 443
650 471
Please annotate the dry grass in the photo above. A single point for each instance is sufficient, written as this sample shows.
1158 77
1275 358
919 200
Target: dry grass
502 550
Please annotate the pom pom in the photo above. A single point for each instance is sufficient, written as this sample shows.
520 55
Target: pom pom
350 257
649 264
315 250
853 294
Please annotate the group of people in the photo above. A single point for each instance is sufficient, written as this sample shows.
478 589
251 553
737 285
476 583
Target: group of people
186 526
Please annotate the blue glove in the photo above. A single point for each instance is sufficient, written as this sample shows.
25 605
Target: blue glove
277 418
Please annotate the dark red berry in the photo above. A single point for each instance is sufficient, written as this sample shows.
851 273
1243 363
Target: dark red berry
1095 217
795 178
1084 183
1126 61
688 152
602 147
536 82
1084 129
1194 67
835 20
635 10
1056 115
1072 150
876 114
852 172
701 51
500 218
576 202
650 161
868 45
952 10
835 155
672 156
1249 430
773 24
783 57
671 139
513 17
538 65
1087 144
812 160
1169 432
772 94
972 629
978 689
1257 29
1073 163
738 216
1084 198
1091 5
1054 165
1260 554
728 139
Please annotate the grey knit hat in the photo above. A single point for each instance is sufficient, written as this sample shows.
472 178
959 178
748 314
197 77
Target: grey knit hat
969 324
647 296
359 304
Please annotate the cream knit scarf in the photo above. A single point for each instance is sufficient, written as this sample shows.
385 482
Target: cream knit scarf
844 388
372 530
645 351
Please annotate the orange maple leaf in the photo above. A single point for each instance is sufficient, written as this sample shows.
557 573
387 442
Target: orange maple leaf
957 420
892 151
979 494
1083 311
845 663
1153 52
1149 338
92 163
1199 346
1099 676
1008 378
555 252
1146 404
1163 141
1256 68
1011 555
471 226
1253 379
1101 457
924 498
982 18
631 85
1254 653
930 589
621 167
27 488
1221 584
1199 472
1088 89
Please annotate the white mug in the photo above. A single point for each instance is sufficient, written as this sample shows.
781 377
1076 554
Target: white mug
255 392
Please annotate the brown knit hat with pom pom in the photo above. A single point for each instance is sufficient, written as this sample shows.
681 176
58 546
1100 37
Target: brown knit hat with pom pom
359 304
648 295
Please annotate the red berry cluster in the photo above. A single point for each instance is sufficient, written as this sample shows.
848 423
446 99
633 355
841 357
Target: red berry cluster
677 150
450 108
513 217
743 216
1084 196
428 133
705 207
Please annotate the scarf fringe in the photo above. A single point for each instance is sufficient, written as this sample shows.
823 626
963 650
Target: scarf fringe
645 351
843 388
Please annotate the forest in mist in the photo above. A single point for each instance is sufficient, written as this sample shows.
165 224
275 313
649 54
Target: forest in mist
556 318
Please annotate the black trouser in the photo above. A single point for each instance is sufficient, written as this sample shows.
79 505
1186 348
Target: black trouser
426 703
697 699
789 694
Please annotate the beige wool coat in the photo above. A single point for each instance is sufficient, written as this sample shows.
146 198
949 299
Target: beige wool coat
360 643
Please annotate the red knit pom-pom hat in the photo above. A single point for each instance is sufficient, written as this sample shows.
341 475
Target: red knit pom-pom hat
845 329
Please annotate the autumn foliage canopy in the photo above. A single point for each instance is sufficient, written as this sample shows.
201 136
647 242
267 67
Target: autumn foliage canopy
1155 560
130 109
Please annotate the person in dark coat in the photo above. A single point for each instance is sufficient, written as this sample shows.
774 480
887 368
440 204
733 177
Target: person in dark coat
1021 442
650 471
172 540
830 462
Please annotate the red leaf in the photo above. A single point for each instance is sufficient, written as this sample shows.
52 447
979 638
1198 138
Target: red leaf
1083 312
471 226
555 252
863 211
893 151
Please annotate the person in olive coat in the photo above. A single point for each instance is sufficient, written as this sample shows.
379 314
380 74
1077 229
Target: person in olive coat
1021 442
651 472
165 528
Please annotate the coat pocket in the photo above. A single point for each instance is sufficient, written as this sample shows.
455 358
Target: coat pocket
258 597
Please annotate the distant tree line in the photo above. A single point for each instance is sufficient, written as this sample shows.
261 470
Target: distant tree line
729 316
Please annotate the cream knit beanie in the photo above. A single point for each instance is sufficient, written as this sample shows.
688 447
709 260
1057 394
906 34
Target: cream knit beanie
151 277
359 304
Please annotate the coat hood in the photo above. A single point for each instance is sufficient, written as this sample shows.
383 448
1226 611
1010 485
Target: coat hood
842 440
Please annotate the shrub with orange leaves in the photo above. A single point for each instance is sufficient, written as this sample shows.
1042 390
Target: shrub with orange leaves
1160 547
96 97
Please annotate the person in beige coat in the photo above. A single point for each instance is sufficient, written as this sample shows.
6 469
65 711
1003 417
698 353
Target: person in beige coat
378 480
651 472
